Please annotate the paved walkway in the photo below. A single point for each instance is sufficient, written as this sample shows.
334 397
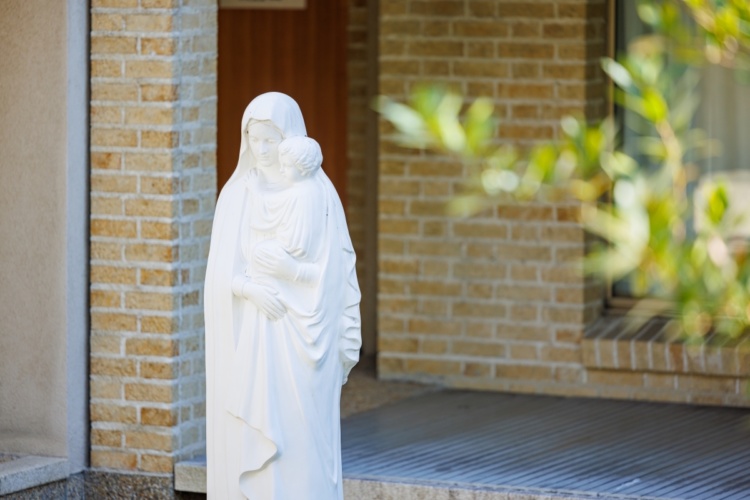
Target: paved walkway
548 447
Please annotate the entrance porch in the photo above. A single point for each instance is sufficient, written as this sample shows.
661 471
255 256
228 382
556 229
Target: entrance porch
408 441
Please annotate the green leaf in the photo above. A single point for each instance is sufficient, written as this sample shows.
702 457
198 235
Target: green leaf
652 147
466 205
717 203
449 127
654 106
571 127
406 120
625 194
670 14
652 70
618 164
426 99
584 191
618 73
495 181
648 13
479 125
684 111
542 163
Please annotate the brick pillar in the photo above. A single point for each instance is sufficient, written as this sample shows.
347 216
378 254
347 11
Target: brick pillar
153 142
491 301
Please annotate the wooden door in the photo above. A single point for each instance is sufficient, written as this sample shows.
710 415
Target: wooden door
301 53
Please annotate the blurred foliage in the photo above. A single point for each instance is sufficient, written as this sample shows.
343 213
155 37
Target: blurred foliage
639 206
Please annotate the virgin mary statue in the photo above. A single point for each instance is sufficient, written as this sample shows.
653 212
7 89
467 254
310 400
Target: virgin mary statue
282 324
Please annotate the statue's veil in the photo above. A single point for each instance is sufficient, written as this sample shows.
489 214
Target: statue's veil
279 109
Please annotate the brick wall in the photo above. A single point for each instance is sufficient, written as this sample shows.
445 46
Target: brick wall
153 125
493 301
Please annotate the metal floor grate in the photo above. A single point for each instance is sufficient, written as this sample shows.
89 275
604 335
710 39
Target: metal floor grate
565 444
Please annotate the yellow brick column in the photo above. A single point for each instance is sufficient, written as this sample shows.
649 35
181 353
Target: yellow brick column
153 123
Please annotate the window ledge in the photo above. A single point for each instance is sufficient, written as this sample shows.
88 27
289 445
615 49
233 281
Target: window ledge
613 343
29 471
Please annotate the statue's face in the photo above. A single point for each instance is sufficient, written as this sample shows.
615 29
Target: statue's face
264 142
289 170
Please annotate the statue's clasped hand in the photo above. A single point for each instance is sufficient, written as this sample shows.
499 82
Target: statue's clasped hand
264 297
274 260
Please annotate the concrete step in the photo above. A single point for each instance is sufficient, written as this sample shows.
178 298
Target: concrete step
190 476
18 473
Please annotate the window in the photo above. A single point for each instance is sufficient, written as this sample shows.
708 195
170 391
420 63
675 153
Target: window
724 113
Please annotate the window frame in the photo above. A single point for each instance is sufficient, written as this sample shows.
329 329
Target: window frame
619 304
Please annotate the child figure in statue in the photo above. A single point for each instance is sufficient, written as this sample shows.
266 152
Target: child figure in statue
299 159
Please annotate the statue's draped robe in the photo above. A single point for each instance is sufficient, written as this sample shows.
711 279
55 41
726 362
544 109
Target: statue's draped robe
273 387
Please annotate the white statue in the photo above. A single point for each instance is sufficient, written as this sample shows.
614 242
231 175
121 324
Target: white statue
282 317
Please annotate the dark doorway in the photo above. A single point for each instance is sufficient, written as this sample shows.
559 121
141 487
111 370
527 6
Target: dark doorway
301 53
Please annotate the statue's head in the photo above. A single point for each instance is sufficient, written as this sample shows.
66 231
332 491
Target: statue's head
268 119
263 141
281 110
299 158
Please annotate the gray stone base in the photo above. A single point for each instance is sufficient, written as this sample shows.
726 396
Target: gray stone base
67 489
100 485
111 485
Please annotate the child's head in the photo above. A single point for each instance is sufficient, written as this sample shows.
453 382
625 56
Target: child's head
299 157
